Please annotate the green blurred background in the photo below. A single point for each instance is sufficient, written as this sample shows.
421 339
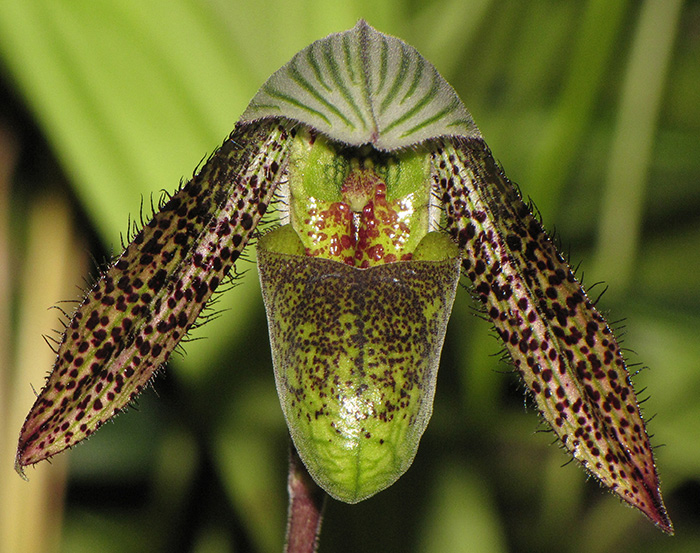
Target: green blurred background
593 107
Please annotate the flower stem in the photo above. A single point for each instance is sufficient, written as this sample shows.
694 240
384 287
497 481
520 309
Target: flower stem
306 503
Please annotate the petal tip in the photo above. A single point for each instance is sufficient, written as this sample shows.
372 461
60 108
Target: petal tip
659 516
19 467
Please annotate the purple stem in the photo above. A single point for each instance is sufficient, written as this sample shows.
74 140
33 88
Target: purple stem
306 502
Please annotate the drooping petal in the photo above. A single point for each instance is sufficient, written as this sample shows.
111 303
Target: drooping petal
559 343
144 304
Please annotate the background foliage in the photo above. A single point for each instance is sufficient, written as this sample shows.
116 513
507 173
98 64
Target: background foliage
591 106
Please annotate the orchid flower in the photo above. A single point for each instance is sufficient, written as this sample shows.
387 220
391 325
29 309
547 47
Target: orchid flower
387 196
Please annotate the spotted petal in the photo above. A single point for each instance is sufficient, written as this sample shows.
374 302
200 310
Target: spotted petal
144 304
560 344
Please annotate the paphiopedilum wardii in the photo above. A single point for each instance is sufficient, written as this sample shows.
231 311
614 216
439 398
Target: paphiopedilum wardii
388 194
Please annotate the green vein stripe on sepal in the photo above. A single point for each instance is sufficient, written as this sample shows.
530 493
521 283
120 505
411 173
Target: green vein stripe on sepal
334 67
418 106
430 120
347 53
416 81
383 67
315 93
296 103
313 63
396 85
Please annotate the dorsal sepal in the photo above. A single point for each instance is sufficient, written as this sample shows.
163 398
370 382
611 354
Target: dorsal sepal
364 87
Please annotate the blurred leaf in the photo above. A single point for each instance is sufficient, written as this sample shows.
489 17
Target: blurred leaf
462 515
257 487
647 69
